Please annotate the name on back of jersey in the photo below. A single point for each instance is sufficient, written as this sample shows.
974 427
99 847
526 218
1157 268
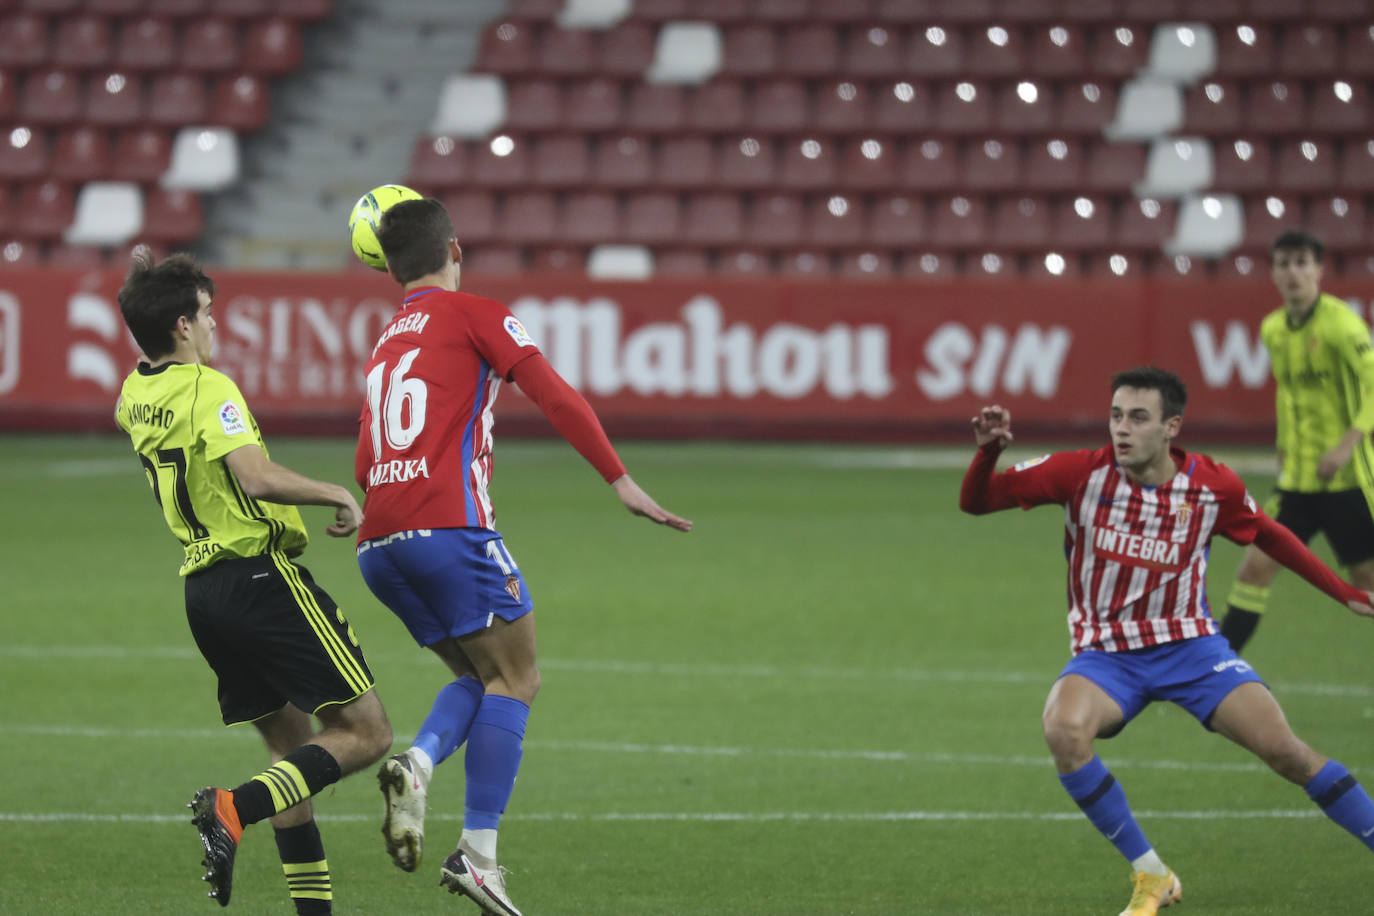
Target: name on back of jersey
397 470
407 324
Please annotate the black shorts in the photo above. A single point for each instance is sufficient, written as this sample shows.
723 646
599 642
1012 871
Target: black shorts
1342 515
273 636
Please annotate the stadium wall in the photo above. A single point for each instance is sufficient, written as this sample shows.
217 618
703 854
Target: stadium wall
693 358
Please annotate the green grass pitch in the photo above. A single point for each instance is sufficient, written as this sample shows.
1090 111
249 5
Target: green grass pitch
825 699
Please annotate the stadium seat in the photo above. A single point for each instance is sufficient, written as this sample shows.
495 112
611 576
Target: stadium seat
901 108
566 52
242 10
1242 165
590 218
502 162
50 97
271 47
653 218
1143 224
803 264
718 106
535 10
1177 166
682 262
560 161
959 221
1019 223
808 164
1208 226
990 165
176 9
655 108
995 52
209 45
781 106
147 43
1156 11
107 213
1338 11
986 262
1341 222
626 51
1053 165
528 217
23 154
507 49
1268 215
744 262
473 213
1355 169
203 159
936 52
964 107
1080 223
176 99
746 163
1024 108
686 52
1086 108
1308 51
868 165
470 105
1275 107
114 100
240 101
1027 11
897 221
713 219
836 221
1305 165
8 97
23 41
660 10
437 162
1182 51
686 162
494 260
79 257
117 8
623 162
749 51
1116 51
1113 166
1212 108
534 105
141 154
928 265
873 52
620 262
1356 54
865 265
1339 107
723 11
81 154
83 43
842 107
1057 51
1276 10
907 12
1245 50
1146 108
848 12
966 11
15 251
44 210
928 165
593 105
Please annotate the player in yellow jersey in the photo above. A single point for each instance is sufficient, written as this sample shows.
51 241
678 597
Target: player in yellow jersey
279 645
1324 368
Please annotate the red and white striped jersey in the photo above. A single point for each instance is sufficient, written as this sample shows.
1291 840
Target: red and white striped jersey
424 447
1137 555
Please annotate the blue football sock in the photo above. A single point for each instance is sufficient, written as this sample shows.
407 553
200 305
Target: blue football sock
1103 800
449 720
1343 800
493 759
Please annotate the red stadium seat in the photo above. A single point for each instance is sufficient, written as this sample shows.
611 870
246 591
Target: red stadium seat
811 50
564 259
656 108
928 265
1020 223
908 12
897 221
1276 10
8 97
83 42
804 264
114 99
566 52
75 256
44 210
1054 165
836 221
1341 222
722 11
507 48
176 9
1080 223
240 102
1308 51
590 218
1114 166
686 162
1024 108
991 165
995 52
1339 107
964 107
245 10
1305 165
623 162
866 265
50 97
626 50
533 9
593 105
23 154
713 219
1245 50
902 107
23 41
560 161
1355 171
808 164
1338 11
271 47
718 106
1144 224
989 263
780 105
959 221
141 155
496 164
660 10
875 51
779 12
1117 51
1058 264
1268 215
528 217
473 213
81 154
1085 108
1057 51
172 216
749 51
115 8
209 45
534 105
653 218
1213 108
682 262
147 43
438 162
966 11
842 107
1110 10
929 165
846 11
774 221
494 260
868 165
744 262
747 163
1275 107
1357 51
935 52
177 99
1242 165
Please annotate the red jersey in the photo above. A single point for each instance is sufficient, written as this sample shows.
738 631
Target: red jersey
1137 555
424 446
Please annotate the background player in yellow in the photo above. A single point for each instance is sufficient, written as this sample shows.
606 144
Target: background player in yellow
1324 370
277 642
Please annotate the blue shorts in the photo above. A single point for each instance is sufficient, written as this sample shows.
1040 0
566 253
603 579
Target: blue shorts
446 581
1197 674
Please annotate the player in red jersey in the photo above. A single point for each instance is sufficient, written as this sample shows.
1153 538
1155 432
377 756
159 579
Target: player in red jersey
427 546
1139 519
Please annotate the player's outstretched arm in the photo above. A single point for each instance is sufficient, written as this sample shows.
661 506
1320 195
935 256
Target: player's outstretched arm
263 478
1284 546
992 424
641 503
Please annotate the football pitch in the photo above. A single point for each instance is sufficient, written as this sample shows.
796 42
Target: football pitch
825 699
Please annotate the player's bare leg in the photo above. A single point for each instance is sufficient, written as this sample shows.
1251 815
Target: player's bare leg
1077 712
1249 596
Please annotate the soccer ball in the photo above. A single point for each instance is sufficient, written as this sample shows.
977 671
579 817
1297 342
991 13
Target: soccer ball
367 215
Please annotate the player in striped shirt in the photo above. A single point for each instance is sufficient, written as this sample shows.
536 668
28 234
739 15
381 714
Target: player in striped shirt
428 547
1324 405
1139 519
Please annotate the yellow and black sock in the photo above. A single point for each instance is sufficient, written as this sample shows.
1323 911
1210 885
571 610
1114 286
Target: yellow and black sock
296 777
1244 606
307 872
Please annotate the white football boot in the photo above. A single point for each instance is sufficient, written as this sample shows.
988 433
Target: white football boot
481 879
404 823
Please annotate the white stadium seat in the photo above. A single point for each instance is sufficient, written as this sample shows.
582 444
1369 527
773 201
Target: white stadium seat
1177 166
1146 108
471 105
1208 226
1183 51
620 262
687 52
107 213
203 159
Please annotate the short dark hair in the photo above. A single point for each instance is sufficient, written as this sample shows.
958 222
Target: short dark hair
1173 394
414 235
1298 240
155 295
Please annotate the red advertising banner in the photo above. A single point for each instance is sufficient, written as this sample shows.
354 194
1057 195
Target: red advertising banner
691 357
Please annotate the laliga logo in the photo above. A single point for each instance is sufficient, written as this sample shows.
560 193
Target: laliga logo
87 361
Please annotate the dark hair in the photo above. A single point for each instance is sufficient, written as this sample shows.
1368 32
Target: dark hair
1298 240
414 235
1173 394
155 295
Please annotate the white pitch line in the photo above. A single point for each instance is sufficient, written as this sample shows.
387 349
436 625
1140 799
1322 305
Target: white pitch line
751 817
